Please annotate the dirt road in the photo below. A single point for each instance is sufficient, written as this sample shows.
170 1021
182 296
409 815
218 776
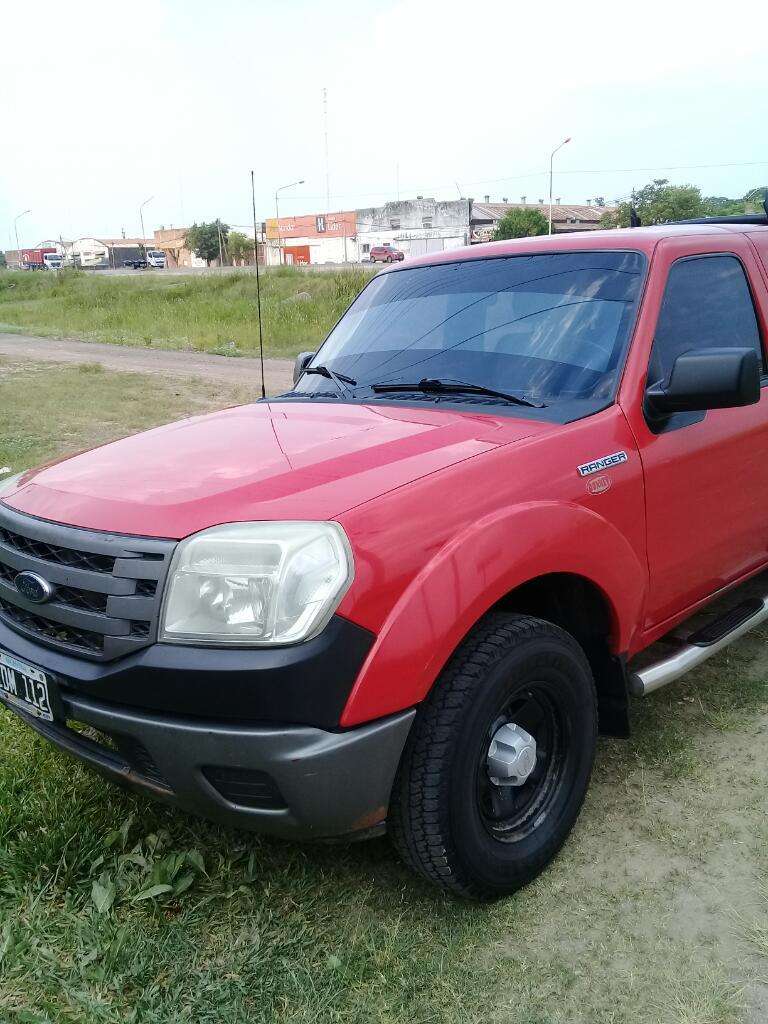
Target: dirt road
278 372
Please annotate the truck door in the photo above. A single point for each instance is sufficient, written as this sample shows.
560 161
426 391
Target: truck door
706 473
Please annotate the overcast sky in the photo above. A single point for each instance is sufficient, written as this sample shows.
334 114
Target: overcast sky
107 103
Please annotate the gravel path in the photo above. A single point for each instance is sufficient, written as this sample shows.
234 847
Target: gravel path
278 372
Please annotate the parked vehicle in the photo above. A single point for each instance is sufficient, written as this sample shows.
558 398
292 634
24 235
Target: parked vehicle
136 263
53 260
40 259
411 591
385 254
156 258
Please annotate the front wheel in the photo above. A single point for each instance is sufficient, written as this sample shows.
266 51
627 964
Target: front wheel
499 758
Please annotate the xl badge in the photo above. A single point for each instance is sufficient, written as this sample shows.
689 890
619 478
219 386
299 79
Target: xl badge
604 463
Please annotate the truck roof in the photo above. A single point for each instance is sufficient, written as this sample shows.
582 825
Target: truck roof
640 239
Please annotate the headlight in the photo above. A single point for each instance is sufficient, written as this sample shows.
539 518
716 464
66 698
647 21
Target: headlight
256 584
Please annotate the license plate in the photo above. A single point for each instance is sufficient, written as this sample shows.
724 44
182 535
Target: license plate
25 687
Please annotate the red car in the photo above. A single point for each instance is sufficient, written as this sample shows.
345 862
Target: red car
385 254
410 592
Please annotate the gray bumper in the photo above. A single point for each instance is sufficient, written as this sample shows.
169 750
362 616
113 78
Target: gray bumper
317 784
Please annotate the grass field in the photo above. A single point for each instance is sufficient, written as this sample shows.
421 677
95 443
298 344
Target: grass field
114 909
206 313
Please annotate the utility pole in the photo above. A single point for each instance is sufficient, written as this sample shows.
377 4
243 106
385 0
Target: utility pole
16 230
327 166
277 215
551 161
141 218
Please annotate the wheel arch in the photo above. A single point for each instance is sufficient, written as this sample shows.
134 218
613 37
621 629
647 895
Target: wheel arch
554 560
576 604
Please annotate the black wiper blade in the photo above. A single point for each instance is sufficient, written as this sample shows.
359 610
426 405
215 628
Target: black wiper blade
446 387
339 379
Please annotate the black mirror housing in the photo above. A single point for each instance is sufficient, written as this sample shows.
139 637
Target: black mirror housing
712 378
302 361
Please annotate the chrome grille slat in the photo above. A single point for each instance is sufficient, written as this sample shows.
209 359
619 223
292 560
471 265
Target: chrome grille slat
107 587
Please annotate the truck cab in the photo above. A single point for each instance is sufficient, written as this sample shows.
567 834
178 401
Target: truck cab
408 594
156 258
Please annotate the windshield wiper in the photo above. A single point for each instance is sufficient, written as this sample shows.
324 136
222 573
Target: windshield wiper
446 387
339 379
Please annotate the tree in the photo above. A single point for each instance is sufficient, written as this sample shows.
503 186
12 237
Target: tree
657 203
208 240
521 223
755 198
240 247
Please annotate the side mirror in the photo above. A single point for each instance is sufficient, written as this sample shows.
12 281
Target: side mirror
712 378
302 361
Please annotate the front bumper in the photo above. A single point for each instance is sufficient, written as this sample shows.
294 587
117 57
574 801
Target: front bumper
248 738
291 781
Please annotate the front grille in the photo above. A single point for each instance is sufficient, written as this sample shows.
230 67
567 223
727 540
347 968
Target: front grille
54 553
106 587
82 639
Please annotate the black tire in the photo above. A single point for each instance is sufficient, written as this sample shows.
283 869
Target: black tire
444 814
389 259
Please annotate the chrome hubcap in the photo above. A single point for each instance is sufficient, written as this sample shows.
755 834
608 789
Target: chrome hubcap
511 755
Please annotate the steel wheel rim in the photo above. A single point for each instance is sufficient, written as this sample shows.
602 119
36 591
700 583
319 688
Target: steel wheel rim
511 813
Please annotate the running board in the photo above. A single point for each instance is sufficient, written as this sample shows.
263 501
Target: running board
700 646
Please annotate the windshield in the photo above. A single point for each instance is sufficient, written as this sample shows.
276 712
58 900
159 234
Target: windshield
548 327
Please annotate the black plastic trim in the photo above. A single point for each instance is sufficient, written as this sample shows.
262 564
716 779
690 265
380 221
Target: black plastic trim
307 684
718 628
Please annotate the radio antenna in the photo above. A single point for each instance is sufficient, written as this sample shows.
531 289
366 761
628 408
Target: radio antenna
258 286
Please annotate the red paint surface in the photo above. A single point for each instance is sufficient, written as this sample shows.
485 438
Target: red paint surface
447 512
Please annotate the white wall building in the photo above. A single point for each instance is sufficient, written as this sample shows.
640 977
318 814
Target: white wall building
416 226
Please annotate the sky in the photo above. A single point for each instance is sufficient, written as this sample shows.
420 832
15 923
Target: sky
108 104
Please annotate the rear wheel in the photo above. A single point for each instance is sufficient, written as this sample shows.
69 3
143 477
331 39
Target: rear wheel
389 259
499 758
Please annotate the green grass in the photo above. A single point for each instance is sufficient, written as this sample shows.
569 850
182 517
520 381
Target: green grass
115 909
205 313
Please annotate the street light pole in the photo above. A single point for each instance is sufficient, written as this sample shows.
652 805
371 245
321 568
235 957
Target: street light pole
16 231
282 188
551 161
141 218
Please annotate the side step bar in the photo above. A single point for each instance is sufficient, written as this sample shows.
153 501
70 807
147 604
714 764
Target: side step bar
700 646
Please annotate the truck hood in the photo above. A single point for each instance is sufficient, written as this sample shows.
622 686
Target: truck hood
281 460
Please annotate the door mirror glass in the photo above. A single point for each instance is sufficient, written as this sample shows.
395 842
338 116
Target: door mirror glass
302 361
711 378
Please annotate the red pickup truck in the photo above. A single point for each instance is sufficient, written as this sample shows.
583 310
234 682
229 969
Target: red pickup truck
412 590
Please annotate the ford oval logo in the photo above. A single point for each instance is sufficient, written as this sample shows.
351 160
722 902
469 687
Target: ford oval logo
33 587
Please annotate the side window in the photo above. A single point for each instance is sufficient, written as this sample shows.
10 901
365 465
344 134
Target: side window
706 304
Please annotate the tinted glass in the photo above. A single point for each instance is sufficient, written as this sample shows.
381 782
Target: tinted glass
546 327
707 304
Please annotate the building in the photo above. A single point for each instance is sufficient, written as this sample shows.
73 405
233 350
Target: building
103 253
173 242
565 218
416 226
314 238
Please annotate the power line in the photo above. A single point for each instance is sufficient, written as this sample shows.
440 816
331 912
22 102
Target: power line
537 174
